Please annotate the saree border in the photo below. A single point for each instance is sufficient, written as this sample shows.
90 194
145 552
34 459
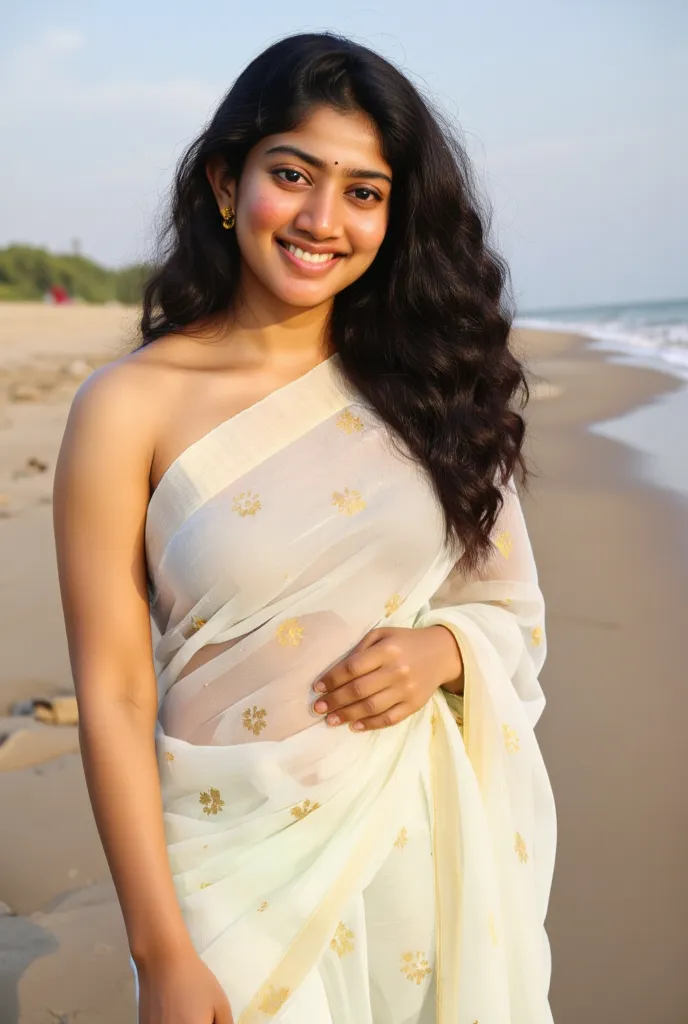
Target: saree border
263 429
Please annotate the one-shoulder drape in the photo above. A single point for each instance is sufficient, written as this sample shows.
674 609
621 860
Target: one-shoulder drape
330 877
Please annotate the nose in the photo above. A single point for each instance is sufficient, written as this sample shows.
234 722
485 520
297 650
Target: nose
320 214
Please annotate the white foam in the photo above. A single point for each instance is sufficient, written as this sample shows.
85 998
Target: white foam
655 341
653 336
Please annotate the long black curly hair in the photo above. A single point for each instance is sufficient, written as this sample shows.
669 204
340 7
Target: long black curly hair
423 334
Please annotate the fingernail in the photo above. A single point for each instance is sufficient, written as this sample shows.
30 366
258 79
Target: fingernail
358 726
320 706
333 720
319 687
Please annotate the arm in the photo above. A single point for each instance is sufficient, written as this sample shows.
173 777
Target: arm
100 500
491 621
100 503
503 602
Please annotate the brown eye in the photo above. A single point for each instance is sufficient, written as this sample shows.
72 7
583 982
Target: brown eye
366 194
290 175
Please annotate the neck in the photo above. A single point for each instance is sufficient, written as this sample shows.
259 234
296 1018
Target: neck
263 323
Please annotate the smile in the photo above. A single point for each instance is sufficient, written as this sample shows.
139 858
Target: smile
306 260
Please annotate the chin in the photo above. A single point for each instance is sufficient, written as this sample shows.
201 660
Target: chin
302 298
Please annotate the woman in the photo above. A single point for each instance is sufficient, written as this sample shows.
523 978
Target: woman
316 432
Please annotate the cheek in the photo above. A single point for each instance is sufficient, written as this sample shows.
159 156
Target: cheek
265 211
368 235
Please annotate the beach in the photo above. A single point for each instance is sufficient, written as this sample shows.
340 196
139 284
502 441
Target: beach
611 551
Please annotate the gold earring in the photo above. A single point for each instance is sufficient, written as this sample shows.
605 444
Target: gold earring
228 218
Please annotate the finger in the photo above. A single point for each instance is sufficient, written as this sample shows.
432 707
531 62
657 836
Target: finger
223 1013
376 704
373 637
358 663
392 716
361 689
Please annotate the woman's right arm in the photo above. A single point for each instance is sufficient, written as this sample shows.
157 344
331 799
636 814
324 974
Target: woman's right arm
100 500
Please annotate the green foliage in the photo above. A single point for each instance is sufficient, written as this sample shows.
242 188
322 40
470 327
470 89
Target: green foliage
27 272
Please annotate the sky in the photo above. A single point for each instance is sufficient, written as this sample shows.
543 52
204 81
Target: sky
574 114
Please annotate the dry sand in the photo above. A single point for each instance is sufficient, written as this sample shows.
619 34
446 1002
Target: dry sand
610 559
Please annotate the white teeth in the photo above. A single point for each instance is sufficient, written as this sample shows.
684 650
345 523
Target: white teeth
310 257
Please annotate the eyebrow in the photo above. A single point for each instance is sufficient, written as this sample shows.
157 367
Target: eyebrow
315 161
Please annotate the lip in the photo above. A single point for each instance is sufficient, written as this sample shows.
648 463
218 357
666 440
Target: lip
317 250
312 269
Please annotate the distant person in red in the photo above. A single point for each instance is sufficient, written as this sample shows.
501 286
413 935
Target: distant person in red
58 294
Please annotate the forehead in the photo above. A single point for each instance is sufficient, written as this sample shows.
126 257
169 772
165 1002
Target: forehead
350 139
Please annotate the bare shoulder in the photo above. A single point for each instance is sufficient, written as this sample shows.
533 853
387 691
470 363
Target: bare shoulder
101 496
122 404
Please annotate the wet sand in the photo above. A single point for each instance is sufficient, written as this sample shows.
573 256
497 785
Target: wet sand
614 570
611 562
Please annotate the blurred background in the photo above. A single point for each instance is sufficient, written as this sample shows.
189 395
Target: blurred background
575 118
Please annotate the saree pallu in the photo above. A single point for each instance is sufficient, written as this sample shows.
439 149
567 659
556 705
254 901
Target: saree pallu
398 876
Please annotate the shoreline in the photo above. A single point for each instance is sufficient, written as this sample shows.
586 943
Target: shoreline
647 385
624 331
607 544
656 410
612 559
640 408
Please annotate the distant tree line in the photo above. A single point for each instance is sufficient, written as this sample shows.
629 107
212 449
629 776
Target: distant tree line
28 273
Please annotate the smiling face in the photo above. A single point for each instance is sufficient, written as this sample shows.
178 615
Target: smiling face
312 207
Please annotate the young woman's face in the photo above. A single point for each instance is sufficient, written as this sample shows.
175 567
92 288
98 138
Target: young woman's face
312 207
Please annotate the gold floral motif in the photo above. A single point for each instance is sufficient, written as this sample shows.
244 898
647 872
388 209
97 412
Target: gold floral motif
503 603
415 966
272 1000
304 809
197 622
433 722
504 543
349 502
290 633
511 740
459 720
343 940
402 839
520 848
212 801
253 719
247 503
264 906
393 605
169 756
492 928
204 885
536 636
349 423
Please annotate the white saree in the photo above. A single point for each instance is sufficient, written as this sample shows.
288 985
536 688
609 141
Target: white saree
329 877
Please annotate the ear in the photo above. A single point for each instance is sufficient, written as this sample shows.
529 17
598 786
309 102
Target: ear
222 184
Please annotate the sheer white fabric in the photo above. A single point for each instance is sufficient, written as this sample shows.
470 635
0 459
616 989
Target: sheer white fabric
328 877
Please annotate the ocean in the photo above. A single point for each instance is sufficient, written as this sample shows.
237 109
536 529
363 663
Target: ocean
648 334
653 334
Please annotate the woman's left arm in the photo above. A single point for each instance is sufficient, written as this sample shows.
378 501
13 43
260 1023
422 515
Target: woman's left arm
393 672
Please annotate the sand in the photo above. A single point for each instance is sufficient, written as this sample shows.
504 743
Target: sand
611 555
611 565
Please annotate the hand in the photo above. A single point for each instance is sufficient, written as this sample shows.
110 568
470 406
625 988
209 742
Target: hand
390 675
181 990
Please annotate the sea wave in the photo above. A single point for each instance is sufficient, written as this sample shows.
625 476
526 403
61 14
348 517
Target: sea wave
649 334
